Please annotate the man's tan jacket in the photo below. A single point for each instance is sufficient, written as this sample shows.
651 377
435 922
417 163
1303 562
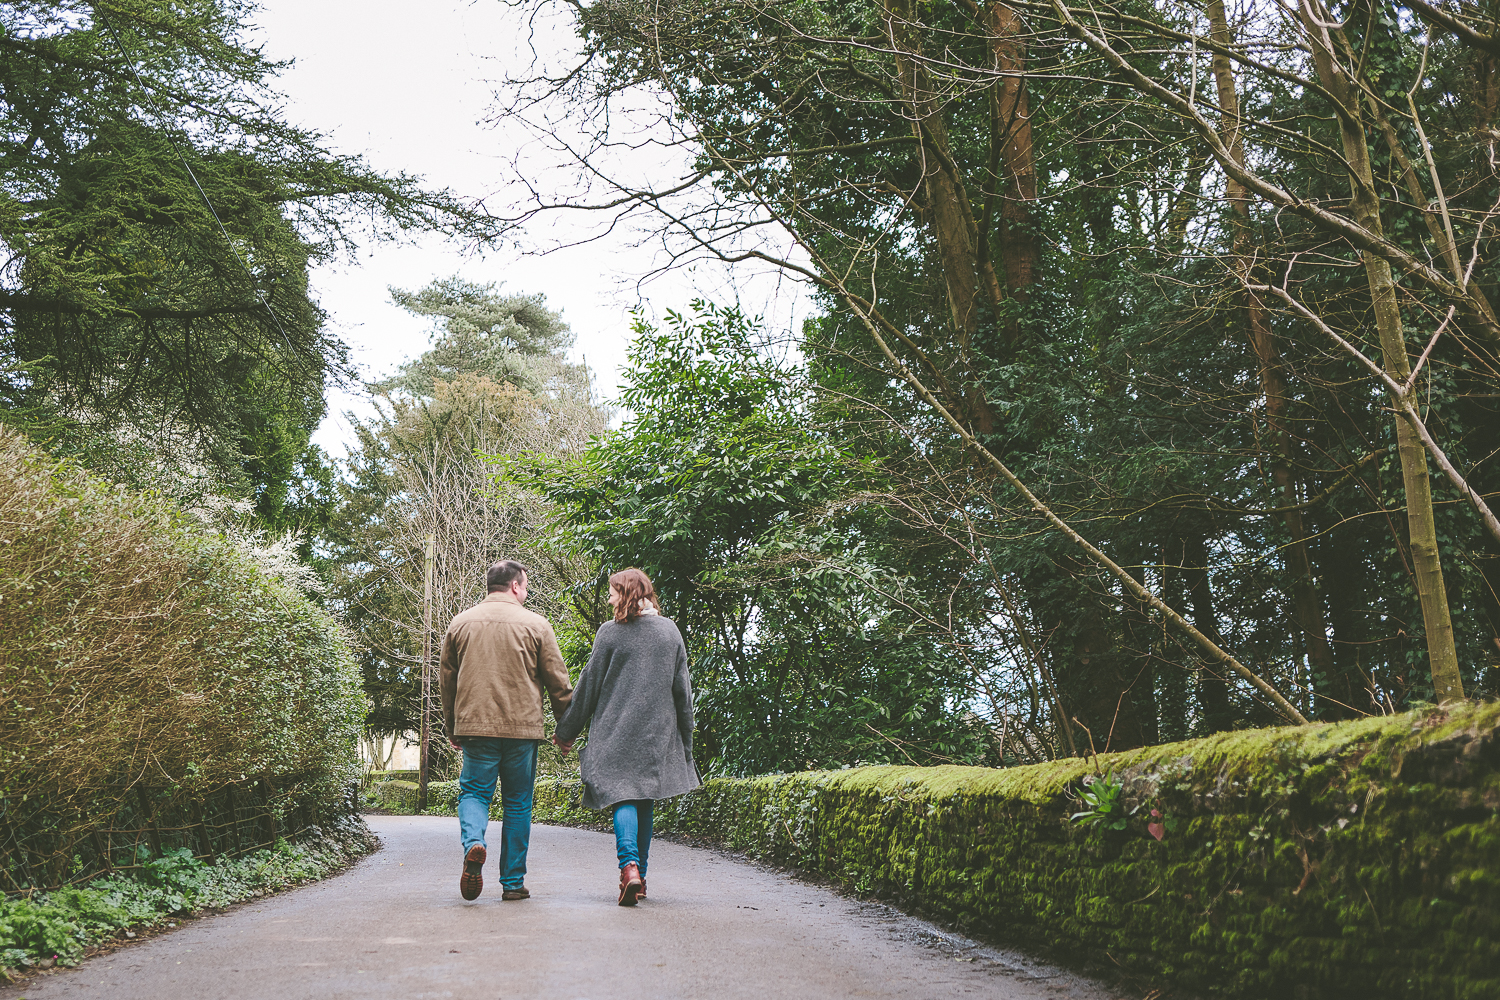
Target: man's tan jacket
497 659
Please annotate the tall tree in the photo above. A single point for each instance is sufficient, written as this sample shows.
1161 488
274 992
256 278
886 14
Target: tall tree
160 215
494 383
867 138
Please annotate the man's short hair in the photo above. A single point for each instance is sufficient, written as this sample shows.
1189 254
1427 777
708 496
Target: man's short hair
502 574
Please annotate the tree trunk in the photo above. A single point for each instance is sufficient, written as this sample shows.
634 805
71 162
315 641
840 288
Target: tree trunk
1012 125
1171 670
1213 687
1307 603
1354 641
1365 205
969 277
1138 662
1106 688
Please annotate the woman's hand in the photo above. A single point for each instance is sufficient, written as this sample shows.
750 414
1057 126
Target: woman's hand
564 747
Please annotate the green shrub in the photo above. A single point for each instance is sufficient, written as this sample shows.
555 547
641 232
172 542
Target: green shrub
139 646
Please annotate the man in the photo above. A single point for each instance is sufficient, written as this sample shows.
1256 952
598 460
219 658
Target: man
497 659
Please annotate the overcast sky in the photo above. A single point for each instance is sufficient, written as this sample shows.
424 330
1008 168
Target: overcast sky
408 86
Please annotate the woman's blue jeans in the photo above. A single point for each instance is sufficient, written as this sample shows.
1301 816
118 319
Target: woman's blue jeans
633 833
513 764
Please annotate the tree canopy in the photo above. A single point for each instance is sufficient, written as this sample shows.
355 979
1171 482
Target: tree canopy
1173 324
160 215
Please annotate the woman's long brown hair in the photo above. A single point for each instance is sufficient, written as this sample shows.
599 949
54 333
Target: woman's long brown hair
634 586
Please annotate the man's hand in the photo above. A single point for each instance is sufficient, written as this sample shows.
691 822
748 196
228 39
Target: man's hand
455 744
564 747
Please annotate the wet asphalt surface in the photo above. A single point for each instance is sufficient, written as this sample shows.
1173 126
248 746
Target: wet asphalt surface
393 927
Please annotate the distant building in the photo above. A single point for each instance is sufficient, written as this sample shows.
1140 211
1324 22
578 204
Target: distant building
402 752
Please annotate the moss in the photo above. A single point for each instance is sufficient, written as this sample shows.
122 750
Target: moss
1318 861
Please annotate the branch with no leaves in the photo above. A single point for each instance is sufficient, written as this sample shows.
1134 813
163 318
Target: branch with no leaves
1401 396
1466 33
1357 235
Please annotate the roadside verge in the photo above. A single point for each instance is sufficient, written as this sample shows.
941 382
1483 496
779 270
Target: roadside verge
63 926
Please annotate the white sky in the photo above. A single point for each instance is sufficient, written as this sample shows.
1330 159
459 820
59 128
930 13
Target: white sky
407 86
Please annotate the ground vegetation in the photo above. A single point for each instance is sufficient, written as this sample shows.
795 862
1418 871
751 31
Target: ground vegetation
60 927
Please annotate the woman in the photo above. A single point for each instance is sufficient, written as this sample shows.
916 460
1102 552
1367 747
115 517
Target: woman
637 700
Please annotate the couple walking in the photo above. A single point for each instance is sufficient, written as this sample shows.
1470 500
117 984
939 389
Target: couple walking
634 695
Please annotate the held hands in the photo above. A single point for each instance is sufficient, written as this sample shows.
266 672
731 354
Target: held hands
564 747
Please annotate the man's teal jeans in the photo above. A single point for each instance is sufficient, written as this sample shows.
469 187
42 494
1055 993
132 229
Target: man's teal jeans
513 763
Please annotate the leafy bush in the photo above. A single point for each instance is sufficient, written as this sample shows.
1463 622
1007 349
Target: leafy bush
797 615
1101 797
138 643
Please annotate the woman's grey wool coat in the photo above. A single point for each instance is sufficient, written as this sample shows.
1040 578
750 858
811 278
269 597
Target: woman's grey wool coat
637 700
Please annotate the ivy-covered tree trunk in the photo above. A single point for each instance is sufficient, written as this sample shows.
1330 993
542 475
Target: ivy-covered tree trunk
968 274
1012 160
1427 567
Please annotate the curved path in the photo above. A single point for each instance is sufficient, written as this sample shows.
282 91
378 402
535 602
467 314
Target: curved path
393 927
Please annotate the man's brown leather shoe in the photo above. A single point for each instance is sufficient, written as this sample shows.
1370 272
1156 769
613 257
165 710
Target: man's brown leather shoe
519 892
471 882
630 884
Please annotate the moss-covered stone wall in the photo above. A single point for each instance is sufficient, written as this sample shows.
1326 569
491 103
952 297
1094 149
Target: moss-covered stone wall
1358 859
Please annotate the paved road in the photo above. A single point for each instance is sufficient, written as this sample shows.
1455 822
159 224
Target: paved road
393 927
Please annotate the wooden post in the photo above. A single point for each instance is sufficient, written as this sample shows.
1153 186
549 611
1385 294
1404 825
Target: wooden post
152 835
271 811
426 671
101 845
205 840
234 820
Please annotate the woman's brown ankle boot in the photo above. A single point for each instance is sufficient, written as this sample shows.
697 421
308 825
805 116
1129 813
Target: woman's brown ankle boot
630 884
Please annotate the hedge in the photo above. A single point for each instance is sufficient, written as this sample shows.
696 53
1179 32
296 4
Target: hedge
147 658
1355 859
